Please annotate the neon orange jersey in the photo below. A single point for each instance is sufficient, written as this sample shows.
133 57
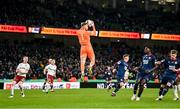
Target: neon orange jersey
84 37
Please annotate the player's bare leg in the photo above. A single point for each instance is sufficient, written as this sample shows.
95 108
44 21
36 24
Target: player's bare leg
83 60
91 65
91 56
21 88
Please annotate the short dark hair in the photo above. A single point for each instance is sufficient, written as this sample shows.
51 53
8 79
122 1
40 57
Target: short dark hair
174 52
125 55
147 48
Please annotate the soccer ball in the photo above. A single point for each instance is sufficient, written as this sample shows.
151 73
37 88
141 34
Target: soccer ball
90 23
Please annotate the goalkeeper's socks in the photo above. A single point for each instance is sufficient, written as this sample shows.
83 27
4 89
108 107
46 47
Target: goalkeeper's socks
90 70
82 77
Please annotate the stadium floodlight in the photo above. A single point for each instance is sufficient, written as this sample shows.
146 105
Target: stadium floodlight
170 1
129 0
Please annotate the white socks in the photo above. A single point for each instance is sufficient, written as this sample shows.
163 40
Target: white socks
12 90
176 88
47 87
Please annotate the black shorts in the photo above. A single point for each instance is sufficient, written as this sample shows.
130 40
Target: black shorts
120 79
169 81
141 76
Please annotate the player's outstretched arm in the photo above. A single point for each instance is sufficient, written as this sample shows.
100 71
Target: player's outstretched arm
160 62
176 70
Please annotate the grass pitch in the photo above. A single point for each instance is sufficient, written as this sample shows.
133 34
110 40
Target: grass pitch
85 98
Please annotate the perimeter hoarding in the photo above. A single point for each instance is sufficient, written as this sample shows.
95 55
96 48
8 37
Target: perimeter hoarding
115 34
38 85
60 31
13 28
168 37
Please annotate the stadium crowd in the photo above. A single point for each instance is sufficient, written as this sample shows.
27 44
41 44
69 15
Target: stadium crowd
69 14
67 58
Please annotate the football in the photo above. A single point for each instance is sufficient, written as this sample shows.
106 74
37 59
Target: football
90 23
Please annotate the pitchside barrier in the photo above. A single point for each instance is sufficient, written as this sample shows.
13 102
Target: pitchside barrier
1 85
101 84
38 85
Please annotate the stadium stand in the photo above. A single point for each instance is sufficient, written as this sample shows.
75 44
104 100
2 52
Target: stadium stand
69 14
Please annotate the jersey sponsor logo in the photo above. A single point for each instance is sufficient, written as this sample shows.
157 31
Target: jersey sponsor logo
171 67
125 67
145 61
